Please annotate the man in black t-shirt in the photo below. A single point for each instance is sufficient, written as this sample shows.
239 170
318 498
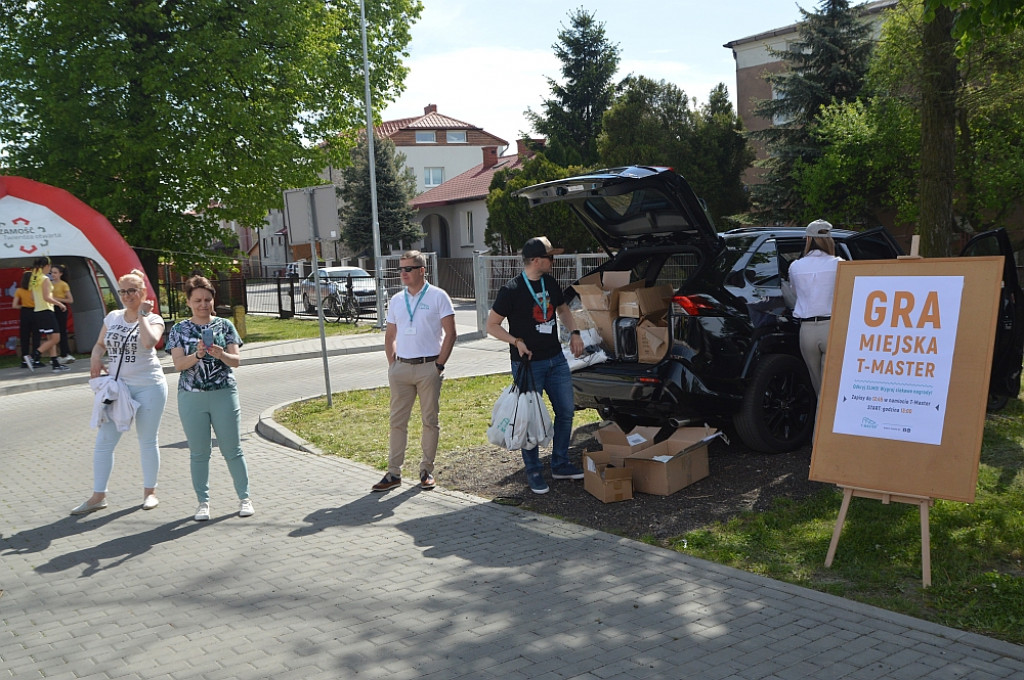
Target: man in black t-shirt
530 302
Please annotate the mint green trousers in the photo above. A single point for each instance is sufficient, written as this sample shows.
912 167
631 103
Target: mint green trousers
216 410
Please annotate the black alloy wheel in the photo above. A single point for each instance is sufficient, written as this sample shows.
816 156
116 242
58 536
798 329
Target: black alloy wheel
777 414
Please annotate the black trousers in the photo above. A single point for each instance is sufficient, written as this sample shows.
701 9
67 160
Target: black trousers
62 327
29 335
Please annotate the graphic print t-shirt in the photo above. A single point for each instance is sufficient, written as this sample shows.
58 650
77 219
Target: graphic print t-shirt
515 302
138 365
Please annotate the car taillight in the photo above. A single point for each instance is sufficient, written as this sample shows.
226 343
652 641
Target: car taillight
649 381
694 305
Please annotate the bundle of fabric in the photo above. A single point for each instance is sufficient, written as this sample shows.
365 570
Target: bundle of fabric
112 402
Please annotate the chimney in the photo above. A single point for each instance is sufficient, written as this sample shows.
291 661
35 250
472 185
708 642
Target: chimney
490 156
429 108
521 148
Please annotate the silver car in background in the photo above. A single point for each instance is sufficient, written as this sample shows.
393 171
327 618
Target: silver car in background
334 286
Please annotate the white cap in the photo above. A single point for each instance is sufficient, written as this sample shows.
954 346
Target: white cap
819 228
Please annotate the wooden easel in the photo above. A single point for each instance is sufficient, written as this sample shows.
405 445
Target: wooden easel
923 504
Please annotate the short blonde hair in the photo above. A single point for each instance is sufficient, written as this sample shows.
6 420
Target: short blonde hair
416 256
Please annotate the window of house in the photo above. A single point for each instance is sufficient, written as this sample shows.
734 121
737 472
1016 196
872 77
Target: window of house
469 227
456 136
433 176
426 137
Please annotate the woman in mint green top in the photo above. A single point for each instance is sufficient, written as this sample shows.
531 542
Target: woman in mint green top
208 393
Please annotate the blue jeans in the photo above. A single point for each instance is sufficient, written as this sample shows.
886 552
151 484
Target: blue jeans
552 376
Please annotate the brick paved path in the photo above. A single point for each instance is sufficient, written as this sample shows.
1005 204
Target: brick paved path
330 581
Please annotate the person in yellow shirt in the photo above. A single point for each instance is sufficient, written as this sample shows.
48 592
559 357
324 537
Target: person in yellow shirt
44 318
62 292
26 305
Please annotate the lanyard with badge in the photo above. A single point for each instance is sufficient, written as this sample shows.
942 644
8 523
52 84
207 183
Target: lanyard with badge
548 327
411 329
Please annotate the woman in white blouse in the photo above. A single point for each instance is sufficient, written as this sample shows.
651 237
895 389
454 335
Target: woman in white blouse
813 278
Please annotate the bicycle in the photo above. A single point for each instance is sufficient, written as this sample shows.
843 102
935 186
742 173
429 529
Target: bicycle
346 308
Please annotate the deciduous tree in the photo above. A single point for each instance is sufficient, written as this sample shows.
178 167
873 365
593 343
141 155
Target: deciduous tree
169 116
510 220
655 123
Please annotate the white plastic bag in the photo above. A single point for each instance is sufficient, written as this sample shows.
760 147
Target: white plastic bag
502 415
520 418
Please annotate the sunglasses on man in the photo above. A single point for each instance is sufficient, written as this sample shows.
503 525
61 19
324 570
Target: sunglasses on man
410 269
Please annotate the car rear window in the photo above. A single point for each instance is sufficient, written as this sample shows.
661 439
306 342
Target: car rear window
635 213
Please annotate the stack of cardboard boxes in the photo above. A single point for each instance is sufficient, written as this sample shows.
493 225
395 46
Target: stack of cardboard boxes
633 462
609 297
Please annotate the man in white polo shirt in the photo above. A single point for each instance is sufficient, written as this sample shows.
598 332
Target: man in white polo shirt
418 340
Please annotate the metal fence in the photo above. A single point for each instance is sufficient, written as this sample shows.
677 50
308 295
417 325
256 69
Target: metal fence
494 271
476 278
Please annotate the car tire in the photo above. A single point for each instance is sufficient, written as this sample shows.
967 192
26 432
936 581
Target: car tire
777 413
310 309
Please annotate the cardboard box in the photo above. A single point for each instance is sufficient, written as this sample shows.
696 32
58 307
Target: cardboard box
652 339
603 324
677 462
604 481
599 291
618 444
637 301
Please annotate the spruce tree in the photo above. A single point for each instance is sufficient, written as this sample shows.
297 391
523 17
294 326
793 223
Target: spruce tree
571 120
827 63
396 186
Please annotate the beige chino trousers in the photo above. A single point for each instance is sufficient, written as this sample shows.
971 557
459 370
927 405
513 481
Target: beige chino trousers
407 381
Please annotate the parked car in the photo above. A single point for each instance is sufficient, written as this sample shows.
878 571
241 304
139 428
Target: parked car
334 282
733 346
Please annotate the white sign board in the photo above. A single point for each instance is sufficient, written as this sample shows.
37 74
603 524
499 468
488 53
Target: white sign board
898 357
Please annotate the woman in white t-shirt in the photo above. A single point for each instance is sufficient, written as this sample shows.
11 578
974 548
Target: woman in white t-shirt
129 336
813 278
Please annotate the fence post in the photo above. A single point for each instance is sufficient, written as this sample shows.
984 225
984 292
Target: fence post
481 283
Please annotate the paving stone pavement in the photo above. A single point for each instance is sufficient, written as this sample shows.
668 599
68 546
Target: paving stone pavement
328 580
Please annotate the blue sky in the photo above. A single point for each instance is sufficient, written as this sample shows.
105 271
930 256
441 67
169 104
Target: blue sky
486 61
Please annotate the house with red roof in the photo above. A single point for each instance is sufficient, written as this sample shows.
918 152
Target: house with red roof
438 147
454 215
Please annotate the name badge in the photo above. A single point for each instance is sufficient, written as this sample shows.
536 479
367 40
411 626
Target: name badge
546 328
410 330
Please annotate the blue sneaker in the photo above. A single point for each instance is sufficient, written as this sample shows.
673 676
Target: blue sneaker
536 482
567 471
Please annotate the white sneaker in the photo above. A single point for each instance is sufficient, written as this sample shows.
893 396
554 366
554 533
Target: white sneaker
151 502
246 509
203 512
66 359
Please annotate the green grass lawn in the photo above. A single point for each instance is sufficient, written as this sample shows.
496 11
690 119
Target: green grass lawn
271 328
977 549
